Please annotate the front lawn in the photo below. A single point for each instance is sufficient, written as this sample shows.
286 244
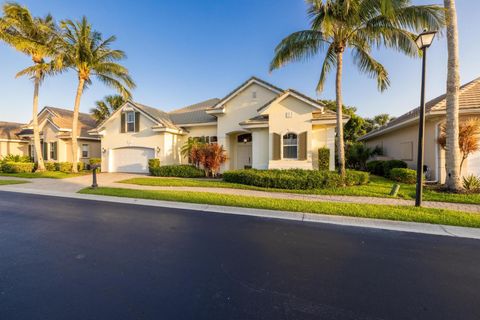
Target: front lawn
45 174
399 213
5 182
378 187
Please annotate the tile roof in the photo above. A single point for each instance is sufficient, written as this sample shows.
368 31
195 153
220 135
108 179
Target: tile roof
469 99
195 113
10 130
159 115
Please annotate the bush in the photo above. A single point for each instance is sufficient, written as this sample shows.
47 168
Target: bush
295 179
152 164
80 166
63 166
403 175
94 161
391 164
17 167
323 159
49 165
356 178
181 171
15 158
471 183
375 167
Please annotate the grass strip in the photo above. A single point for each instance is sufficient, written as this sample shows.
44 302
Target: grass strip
5 182
397 213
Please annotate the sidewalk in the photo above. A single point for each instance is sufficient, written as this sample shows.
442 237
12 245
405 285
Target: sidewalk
73 185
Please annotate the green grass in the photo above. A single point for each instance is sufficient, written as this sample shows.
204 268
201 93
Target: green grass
399 213
5 182
45 174
378 187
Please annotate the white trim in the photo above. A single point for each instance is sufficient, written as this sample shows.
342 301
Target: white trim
13 140
284 96
169 130
333 121
254 126
200 124
215 111
247 84
120 110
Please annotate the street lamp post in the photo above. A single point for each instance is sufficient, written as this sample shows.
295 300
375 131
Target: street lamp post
423 41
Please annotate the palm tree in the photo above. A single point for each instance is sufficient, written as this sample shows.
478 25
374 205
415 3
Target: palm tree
452 153
357 26
37 38
104 108
86 52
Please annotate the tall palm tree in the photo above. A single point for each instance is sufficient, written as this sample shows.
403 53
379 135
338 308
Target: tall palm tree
452 148
104 108
37 38
357 26
86 52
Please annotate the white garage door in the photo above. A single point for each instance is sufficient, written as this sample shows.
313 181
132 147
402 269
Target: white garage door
132 159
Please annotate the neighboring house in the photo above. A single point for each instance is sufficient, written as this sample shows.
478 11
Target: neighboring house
10 141
259 125
55 126
400 136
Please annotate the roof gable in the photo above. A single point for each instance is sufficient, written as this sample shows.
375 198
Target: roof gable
316 105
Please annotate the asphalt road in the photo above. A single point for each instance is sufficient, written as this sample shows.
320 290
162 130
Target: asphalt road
77 259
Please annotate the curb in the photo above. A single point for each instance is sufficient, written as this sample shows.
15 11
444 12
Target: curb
415 227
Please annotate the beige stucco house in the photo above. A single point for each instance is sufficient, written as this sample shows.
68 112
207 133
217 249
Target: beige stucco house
399 137
10 141
55 126
260 126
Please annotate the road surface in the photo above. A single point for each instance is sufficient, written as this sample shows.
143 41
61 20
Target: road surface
77 259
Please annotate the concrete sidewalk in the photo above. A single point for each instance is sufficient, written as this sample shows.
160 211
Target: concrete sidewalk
73 185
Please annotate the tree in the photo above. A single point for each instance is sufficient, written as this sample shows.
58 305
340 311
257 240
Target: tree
210 156
190 148
104 108
86 52
35 37
356 25
468 139
453 93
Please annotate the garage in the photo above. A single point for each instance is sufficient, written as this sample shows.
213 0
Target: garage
131 159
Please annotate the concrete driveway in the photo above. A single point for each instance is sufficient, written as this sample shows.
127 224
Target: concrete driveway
70 185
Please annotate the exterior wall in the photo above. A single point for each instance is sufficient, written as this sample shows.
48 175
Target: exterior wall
299 120
323 137
395 143
242 107
260 147
13 147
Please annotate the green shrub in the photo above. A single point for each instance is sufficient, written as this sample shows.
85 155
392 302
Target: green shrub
63 166
294 179
17 167
181 171
356 178
375 167
152 164
94 161
80 166
391 164
323 159
49 165
403 175
15 158
471 183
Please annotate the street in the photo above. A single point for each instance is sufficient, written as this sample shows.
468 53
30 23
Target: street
66 258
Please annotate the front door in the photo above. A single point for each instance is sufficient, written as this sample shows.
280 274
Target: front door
244 151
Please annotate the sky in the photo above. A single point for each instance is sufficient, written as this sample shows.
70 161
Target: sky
183 52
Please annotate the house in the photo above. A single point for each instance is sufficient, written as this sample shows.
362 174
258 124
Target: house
259 125
55 126
10 141
399 137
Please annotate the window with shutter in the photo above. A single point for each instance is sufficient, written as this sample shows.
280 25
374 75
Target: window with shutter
290 146
130 121
302 146
122 123
276 146
137 121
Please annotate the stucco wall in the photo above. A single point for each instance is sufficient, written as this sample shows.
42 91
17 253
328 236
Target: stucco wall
323 136
260 148
15 148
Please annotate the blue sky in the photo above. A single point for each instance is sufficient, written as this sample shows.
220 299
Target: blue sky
183 52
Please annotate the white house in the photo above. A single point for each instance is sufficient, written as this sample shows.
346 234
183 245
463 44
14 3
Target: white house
260 126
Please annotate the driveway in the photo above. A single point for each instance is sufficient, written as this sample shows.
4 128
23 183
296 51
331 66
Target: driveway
80 259
71 185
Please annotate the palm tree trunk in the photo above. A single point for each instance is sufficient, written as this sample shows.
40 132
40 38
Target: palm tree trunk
453 93
36 130
338 89
81 83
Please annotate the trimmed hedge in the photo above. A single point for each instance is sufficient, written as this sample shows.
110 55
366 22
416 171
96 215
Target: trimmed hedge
403 175
323 159
383 168
67 166
49 165
294 179
180 171
17 167
152 164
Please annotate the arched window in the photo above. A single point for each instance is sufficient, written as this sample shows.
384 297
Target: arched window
290 146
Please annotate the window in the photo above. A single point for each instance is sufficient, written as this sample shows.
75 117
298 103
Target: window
130 121
244 138
290 146
31 152
53 150
84 150
254 94
44 150
213 139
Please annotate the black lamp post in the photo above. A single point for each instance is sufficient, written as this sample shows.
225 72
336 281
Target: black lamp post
423 41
